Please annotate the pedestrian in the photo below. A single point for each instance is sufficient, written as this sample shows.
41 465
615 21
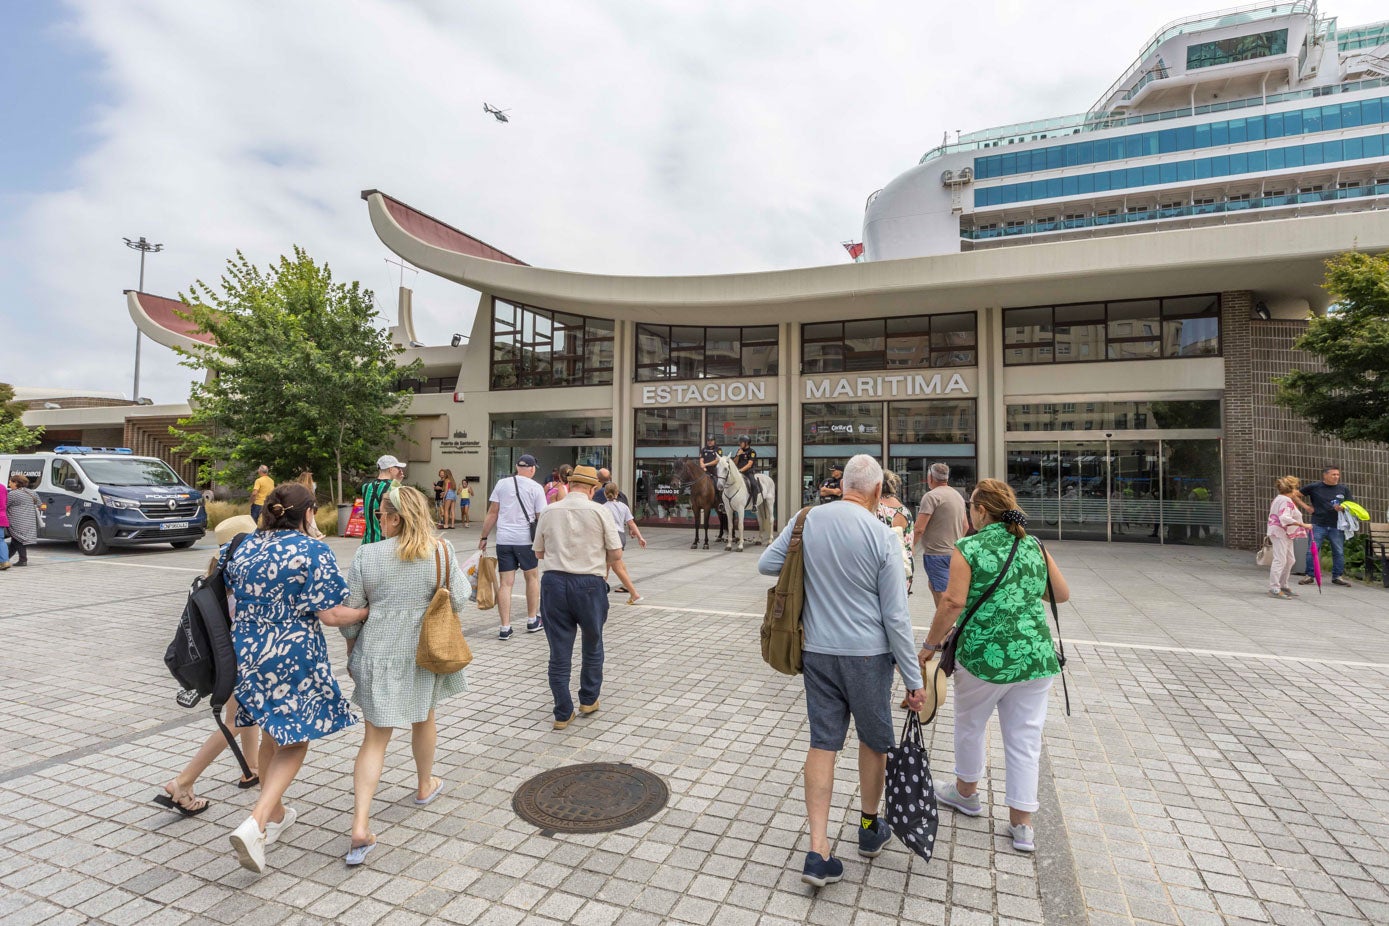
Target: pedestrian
396 579
389 472
514 509
306 480
4 529
285 585
856 625
450 500
709 461
1285 524
260 491
1005 660
832 489
605 476
578 541
626 526
465 498
940 522
558 486
898 518
22 510
1326 498
439 499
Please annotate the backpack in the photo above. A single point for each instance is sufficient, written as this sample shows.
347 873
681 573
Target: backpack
783 638
202 656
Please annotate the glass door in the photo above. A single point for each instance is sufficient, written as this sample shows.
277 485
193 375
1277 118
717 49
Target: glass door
1084 481
1135 481
1032 472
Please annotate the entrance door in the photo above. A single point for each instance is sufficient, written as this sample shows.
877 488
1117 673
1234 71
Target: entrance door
1033 474
1083 505
1133 492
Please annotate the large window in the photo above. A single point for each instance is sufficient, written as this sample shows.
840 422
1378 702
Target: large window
1114 416
1290 157
430 385
1185 138
693 352
1240 48
536 348
887 343
1134 329
667 439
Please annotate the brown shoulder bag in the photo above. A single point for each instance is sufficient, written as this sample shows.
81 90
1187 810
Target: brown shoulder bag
442 649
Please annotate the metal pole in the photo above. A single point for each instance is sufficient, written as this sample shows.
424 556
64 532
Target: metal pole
144 247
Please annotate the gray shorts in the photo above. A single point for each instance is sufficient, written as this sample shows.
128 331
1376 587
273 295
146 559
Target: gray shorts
839 686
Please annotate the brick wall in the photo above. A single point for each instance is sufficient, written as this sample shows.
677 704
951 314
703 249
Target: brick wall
1283 444
1242 529
149 437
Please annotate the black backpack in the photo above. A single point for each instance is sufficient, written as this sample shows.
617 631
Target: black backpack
202 657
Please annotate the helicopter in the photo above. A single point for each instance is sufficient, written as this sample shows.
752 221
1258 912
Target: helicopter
498 114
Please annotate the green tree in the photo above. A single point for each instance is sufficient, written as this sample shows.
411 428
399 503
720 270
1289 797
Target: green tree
14 436
300 378
1348 397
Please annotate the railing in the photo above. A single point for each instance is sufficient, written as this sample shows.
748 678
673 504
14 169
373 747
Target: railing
1158 73
1371 36
1083 122
1176 212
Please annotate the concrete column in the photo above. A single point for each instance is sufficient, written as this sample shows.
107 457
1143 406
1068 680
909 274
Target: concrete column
789 423
624 374
993 453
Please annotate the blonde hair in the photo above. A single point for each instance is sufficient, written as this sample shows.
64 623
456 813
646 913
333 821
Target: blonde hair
449 481
1288 484
892 483
610 490
305 479
997 499
415 539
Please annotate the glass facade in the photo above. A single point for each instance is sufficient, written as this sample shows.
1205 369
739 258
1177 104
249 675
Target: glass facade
1240 48
1185 138
553 439
1224 165
666 438
1114 416
692 352
1135 329
1149 491
913 342
535 348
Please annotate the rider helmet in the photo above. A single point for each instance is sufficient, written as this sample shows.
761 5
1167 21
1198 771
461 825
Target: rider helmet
710 439
744 439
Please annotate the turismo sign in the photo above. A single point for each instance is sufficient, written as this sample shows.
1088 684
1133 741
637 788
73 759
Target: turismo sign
890 385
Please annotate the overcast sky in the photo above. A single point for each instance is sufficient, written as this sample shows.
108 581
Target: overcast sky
645 137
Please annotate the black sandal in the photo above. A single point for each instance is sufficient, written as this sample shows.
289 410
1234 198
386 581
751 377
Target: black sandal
243 783
164 800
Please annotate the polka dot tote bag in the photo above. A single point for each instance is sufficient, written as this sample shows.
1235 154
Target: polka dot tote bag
910 795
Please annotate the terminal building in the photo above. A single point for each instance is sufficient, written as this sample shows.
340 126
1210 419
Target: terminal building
1093 308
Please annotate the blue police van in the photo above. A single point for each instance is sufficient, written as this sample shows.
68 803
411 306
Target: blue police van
104 497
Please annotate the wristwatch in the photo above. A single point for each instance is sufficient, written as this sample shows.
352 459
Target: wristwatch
932 647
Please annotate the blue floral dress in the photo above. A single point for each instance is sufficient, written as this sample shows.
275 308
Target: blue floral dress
284 684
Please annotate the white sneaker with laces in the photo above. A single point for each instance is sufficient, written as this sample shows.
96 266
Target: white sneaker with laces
273 829
249 843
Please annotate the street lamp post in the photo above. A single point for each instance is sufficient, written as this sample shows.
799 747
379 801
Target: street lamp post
144 247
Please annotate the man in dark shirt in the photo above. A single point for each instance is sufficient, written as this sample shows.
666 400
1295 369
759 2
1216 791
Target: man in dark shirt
605 476
389 472
1326 498
708 460
830 489
744 462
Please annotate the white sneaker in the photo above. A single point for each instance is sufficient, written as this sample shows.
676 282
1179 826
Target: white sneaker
249 843
273 829
1022 837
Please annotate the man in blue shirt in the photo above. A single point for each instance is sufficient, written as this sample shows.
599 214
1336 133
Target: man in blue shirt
1326 498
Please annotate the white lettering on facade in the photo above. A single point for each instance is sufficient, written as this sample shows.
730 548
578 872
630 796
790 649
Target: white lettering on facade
814 390
895 380
957 382
865 386
695 394
737 392
842 388
757 391
891 385
711 393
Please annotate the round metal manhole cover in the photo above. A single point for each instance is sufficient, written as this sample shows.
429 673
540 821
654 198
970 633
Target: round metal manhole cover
592 798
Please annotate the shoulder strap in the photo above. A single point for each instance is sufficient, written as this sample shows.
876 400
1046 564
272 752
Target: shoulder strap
793 550
992 588
516 487
439 571
1056 619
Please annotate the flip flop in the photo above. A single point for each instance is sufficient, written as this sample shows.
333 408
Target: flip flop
244 783
429 798
358 854
164 800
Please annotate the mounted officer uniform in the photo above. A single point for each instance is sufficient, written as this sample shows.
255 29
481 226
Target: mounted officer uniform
708 459
745 462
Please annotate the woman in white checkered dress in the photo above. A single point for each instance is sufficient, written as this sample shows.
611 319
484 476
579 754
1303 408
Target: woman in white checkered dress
395 580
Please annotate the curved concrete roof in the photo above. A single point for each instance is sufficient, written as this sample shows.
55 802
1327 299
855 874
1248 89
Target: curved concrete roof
159 318
1282 257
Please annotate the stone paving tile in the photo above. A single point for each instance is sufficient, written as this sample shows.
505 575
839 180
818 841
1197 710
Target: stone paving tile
1193 788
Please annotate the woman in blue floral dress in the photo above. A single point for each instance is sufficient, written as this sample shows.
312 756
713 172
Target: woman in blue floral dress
285 584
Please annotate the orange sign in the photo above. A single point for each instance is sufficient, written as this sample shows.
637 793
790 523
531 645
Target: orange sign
357 521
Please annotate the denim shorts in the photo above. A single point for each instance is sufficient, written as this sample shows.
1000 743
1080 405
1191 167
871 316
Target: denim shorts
937 570
839 686
513 556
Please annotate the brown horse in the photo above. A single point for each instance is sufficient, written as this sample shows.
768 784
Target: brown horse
703 497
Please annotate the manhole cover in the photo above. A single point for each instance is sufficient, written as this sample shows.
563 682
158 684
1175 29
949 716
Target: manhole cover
592 798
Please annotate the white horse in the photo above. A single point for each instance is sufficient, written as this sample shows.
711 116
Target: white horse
733 495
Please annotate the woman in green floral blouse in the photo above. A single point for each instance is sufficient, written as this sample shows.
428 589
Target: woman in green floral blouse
1005 659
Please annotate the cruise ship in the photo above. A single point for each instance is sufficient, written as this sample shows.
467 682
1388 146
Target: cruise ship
1242 115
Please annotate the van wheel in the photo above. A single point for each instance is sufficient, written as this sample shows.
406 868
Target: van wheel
182 544
89 539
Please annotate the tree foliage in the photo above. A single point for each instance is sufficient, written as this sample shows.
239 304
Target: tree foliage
301 376
1348 398
14 436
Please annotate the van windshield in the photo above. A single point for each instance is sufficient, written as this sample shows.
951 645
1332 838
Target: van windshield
129 472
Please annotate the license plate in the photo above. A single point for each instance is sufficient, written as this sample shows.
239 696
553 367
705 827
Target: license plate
174 526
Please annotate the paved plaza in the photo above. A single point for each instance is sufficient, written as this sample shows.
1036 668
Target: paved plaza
1225 762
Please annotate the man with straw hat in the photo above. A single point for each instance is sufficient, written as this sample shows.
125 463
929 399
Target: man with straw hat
578 541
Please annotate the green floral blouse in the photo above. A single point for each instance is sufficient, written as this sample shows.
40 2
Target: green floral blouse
1007 639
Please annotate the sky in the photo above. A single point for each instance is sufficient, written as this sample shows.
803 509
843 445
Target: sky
646 137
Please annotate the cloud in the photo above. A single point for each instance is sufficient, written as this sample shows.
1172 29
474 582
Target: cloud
646 137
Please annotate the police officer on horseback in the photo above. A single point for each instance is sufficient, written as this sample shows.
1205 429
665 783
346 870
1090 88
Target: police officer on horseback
745 461
709 460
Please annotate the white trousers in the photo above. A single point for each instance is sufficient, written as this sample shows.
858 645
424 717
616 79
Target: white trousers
1022 712
1282 566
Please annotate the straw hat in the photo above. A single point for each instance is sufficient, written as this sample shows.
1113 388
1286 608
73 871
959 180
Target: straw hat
230 527
584 476
937 686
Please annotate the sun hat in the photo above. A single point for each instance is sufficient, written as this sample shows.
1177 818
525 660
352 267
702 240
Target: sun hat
389 462
228 528
526 460
584 476
937 686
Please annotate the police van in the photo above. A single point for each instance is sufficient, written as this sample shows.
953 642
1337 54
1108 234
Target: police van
107 497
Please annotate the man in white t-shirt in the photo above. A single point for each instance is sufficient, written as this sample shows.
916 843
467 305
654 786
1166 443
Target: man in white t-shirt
513 509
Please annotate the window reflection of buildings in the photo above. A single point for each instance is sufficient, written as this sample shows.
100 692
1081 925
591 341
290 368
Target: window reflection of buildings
675 352
915 341
538 348
1138 329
